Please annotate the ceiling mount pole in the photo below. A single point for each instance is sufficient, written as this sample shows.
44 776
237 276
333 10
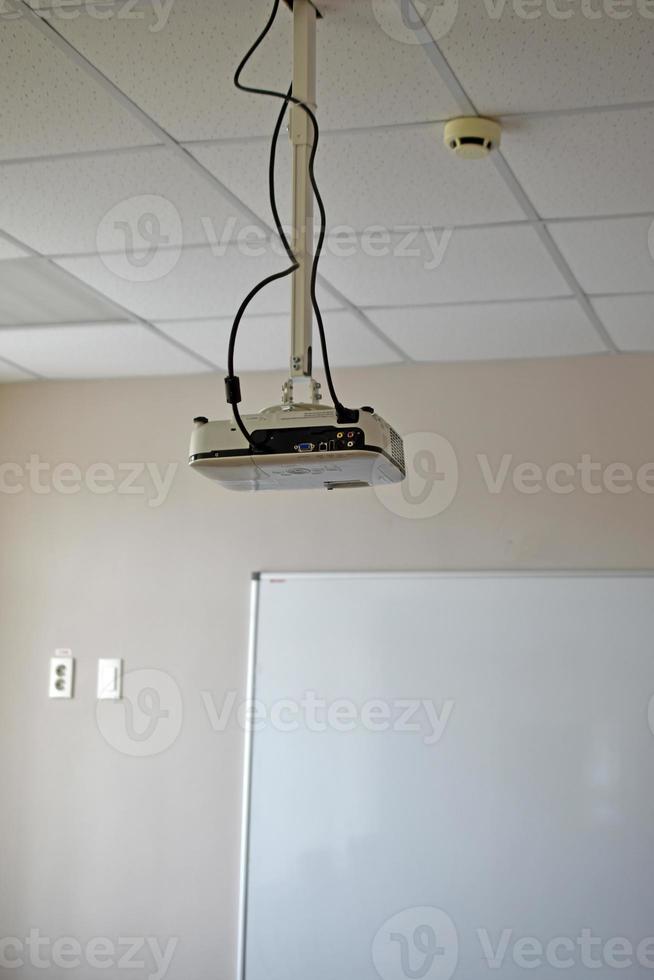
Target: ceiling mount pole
300 386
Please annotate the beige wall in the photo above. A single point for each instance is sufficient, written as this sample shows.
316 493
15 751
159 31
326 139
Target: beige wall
97 843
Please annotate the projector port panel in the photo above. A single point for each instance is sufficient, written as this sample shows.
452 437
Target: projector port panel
310 439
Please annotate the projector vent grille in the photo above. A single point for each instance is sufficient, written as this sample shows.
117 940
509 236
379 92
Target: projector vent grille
397 448
393 442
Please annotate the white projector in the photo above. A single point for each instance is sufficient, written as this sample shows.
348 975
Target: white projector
298 447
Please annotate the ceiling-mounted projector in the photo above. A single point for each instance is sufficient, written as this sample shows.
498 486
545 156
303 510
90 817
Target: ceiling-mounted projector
298 445
300 449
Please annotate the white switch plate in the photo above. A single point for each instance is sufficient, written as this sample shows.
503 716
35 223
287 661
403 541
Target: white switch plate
110 679
62 674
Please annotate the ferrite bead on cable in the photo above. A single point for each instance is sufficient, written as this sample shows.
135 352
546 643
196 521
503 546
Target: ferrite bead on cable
233 389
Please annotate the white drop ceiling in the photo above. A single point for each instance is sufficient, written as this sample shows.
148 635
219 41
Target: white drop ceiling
119 124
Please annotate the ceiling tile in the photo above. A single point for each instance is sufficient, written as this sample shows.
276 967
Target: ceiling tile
515 56
263 342
35 291
358 59
550 328
612 256
392 177
108 350
447 267
196 283
629 320
10 373
597 163
191 52
10 251
114 202
51 106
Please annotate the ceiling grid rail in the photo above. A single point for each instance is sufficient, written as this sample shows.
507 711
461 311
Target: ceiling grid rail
47 30
122 312
23 370
473 226
345 131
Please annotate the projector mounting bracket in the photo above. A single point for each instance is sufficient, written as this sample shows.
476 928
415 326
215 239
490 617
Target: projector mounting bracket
289 4
300 387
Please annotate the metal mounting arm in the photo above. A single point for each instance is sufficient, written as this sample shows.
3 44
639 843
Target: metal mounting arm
300 386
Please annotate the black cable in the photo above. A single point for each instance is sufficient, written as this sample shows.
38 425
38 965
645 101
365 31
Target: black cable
232 386
344 414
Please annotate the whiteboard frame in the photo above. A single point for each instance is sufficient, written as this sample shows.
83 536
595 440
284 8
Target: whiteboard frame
255 589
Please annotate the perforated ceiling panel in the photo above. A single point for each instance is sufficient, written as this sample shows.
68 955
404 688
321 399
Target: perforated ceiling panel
128 158
368 159
49 106
514 57
130 199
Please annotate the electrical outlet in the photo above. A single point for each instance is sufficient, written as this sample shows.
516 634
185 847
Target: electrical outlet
62 674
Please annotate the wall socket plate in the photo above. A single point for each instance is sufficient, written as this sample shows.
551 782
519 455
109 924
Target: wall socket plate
62 674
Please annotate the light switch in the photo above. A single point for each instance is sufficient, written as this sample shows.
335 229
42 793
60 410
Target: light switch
110 679
62 674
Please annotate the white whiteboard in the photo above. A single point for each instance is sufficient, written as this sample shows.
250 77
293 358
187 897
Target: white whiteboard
512 834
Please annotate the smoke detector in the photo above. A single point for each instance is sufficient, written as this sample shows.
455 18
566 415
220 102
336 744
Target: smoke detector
472 137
